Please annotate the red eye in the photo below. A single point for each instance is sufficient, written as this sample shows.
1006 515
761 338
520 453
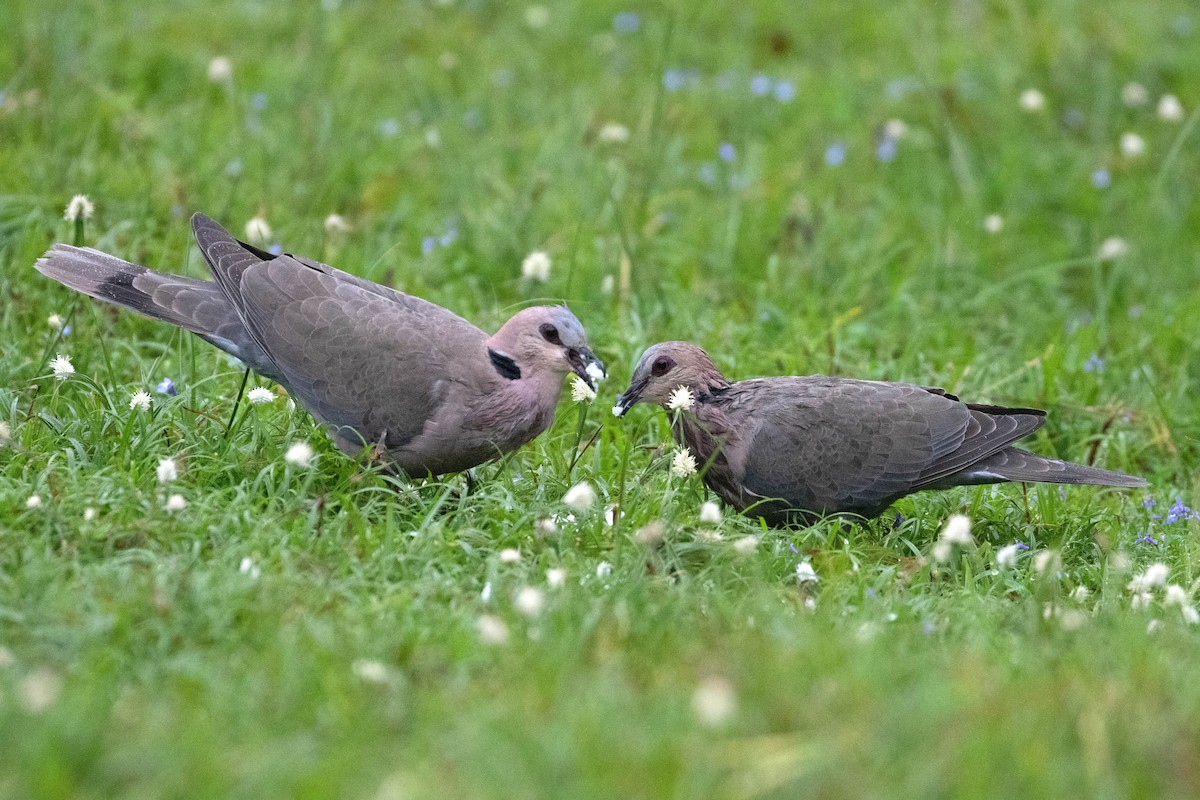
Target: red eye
662 365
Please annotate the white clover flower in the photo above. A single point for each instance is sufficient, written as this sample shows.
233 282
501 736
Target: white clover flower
1072 619
1046 561
1132 145
55 322
62 367
39 690
259 395
1170 109
1134 94
167 470
681 399
80 207
745 545
993 224
510 555
486 594
536 266
613 133
257 230
957 530
491 630
335 224
556 577
299 454
369 671
248 567
537 17
714 701
683 464
1176 595
895 129
1007 556
942 550
1190 615
580 391
220 70
433 138
650 534
140 401
805 573
1155 575
33 501
176 503
608 284
710 513
1080 593
1112 248
89 514
530 601
580 497
603 570
1032 101
545 527
5 433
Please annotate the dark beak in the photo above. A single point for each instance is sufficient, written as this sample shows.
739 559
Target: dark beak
585 364
629 398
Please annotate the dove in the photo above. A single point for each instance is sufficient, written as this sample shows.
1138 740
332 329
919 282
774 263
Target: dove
794 449
425 390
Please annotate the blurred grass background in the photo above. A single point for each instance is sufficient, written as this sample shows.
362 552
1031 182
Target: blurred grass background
729 174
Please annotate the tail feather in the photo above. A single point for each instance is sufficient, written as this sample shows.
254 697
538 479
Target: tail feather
194 305
1014 464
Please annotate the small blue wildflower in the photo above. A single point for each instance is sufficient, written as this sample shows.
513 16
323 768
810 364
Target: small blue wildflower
835 154
1147 539
707 173
792 547
428 245
675 79
726 151
885 151
275 249
258 101
1073 118
928 628
626 22
1102 179
472 118
1094 364
449 237
234 168
167 386
1179 511
785 91
897 88
760 85
1149 502
66 330
389 128
1021 545
870 593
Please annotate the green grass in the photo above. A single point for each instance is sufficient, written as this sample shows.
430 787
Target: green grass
141 660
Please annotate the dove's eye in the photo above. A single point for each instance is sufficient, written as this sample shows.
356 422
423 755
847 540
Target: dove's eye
550 333
662 365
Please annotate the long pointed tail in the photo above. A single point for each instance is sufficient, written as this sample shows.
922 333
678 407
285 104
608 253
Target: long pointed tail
194 305
1014 464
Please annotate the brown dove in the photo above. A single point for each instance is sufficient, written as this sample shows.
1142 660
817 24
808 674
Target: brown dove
793 449
426 390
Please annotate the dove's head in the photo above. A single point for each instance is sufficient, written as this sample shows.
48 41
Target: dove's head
545 339
671 374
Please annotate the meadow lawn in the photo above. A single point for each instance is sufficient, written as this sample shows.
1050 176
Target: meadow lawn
994 196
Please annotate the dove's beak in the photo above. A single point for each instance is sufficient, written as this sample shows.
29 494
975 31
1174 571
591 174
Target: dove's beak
585 364
629 398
